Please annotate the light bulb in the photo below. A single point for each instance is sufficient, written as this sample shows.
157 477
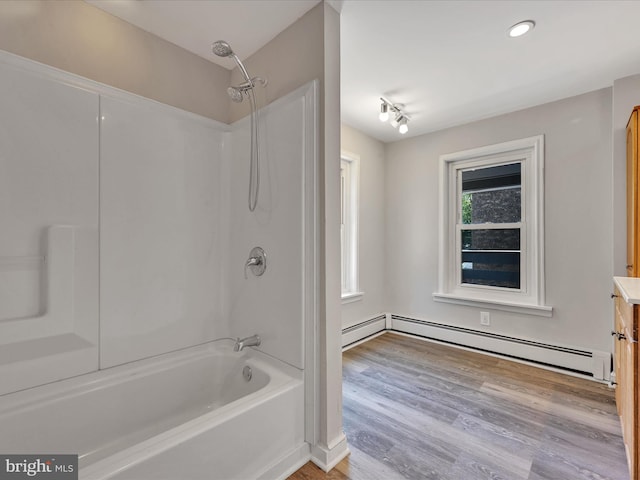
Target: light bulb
521 28
403 128
384 113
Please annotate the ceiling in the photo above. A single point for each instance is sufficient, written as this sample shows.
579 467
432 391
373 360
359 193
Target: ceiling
449 62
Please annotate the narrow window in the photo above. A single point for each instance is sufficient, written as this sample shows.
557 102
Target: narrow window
349 181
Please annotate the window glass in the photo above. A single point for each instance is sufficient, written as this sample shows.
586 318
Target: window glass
491 258
349 172
492 195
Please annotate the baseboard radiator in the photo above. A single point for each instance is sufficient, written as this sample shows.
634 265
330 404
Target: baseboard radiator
362 330
591 363
596 364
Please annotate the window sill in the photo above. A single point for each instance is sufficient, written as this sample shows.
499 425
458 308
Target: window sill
527 309
352 297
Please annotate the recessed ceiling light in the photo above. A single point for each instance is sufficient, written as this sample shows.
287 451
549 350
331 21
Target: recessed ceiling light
521 28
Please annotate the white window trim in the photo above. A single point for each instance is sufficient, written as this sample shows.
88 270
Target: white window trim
530 299
352 297
352 291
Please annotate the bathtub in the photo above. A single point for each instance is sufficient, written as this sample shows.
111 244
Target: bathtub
186 415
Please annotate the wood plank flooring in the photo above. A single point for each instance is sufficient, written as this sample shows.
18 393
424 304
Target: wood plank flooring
420 410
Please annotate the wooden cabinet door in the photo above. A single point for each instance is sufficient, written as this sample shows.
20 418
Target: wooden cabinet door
632 194
630 406
618 361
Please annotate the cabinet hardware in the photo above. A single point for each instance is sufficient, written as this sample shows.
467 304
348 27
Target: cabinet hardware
618 335
613 295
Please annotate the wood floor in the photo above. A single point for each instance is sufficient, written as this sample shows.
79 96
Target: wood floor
419 410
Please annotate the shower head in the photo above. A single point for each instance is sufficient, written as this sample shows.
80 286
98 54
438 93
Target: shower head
221 49
235 94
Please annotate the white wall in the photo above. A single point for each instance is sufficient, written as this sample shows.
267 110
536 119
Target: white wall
578 198
371 238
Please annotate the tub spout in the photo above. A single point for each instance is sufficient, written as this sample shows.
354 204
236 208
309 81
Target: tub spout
253 341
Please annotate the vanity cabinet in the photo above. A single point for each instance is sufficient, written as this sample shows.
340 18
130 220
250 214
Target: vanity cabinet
625 333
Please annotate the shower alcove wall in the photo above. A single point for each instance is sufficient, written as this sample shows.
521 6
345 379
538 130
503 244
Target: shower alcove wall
125 229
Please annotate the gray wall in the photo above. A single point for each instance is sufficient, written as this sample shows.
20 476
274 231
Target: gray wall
578 239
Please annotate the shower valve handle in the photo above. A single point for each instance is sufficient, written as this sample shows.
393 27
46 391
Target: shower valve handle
257 262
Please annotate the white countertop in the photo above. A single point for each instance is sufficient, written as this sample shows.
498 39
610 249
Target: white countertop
629 288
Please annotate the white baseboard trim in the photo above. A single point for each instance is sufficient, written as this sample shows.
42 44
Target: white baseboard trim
363 340
362 330
326 458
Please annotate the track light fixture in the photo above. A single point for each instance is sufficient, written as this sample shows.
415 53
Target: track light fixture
400 119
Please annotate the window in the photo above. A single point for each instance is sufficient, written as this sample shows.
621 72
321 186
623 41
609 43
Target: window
491 221
349 180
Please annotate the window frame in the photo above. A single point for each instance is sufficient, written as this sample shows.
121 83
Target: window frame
349 210
530 298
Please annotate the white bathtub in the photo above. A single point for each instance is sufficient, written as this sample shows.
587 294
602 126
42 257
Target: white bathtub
184 415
